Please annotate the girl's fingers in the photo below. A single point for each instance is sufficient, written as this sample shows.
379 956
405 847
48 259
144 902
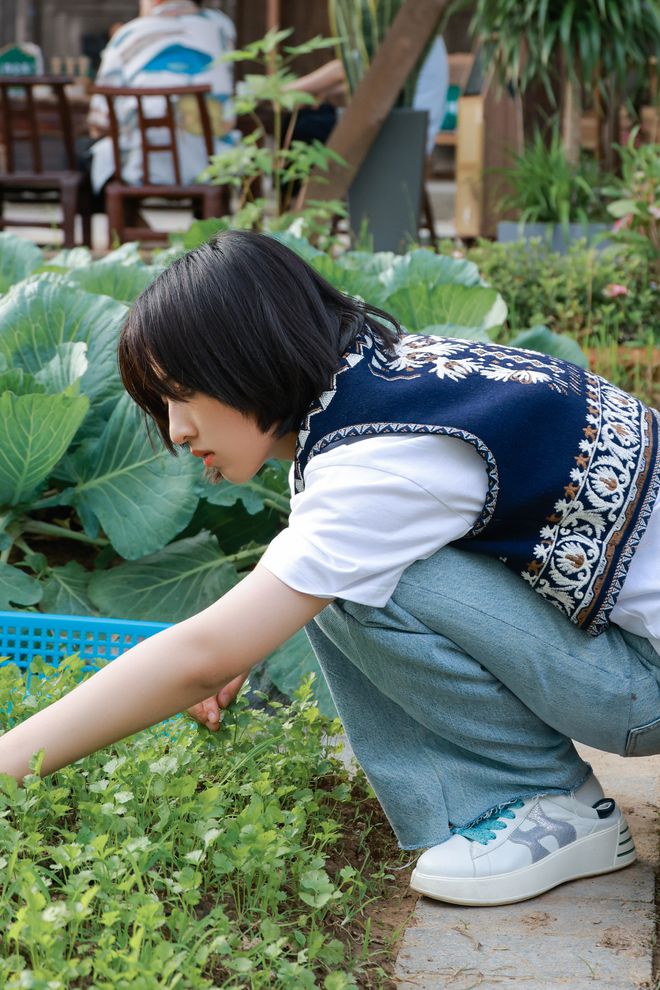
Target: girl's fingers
197 712
206 713
211 713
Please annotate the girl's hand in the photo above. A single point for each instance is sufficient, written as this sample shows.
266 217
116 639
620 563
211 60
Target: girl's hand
208 712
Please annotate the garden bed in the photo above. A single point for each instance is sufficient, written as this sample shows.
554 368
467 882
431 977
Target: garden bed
182 858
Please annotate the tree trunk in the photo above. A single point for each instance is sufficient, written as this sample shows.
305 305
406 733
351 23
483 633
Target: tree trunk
571 113
375 96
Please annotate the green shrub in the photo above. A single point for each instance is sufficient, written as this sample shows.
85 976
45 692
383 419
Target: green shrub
636 205
544 187
286 163
593 296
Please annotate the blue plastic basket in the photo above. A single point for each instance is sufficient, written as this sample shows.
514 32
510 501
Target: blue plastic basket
25 635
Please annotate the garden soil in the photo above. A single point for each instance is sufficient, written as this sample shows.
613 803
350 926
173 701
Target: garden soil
368 845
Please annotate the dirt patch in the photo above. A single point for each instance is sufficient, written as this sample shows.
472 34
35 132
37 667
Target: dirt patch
58 551
618 940
537 920
390 916
369 846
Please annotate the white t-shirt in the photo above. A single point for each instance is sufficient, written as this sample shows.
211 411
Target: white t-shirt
371 508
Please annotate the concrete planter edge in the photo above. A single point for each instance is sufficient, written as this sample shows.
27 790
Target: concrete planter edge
553 234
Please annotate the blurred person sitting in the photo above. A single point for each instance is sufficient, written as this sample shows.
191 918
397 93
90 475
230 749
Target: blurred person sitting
328 85
171 43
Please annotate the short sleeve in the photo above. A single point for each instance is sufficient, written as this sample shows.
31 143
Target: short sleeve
362 519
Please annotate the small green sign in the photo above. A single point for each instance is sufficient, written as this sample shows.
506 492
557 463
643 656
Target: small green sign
15 61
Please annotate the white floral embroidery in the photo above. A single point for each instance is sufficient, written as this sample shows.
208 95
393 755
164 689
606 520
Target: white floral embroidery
572 558
456 359
455 370
526 376
574 567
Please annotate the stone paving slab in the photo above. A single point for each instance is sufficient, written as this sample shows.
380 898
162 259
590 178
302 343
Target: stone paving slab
593 932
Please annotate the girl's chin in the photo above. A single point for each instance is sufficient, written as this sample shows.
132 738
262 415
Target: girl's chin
213 475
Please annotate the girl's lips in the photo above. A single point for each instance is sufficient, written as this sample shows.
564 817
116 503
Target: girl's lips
206 455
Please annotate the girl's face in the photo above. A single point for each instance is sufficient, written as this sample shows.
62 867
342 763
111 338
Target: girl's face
231 444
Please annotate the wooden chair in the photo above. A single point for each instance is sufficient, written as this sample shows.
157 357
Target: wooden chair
38 145
123 200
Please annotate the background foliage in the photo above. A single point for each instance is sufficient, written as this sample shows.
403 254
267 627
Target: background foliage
572 293
544 187
286 164
635 202
360 27
586 39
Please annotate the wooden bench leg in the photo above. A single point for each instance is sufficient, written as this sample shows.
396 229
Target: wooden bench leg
114 207
69 202
85 210
215 202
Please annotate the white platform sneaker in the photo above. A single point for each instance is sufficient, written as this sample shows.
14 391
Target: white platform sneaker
526 848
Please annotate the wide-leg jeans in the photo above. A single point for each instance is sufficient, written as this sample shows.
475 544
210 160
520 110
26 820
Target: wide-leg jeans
466 690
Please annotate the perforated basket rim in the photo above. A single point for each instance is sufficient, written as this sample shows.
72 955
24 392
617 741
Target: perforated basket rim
54 636
81 621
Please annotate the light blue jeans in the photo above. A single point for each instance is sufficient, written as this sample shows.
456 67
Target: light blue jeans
466 689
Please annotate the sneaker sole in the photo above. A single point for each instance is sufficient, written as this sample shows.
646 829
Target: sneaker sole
602 852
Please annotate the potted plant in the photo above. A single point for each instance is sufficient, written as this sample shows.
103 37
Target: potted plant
385 195
551 198
285 163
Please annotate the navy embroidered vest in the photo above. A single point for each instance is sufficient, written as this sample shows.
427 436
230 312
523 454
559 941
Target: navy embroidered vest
573 462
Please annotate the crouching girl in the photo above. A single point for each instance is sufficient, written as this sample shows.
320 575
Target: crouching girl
472 546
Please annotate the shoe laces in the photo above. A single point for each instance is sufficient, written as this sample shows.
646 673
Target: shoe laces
486 829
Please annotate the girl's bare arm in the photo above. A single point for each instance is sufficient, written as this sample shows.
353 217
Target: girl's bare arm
163 675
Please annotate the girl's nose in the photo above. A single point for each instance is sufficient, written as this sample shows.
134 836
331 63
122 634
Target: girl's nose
181 430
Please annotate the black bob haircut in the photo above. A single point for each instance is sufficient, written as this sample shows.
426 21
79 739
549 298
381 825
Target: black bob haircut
243 319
